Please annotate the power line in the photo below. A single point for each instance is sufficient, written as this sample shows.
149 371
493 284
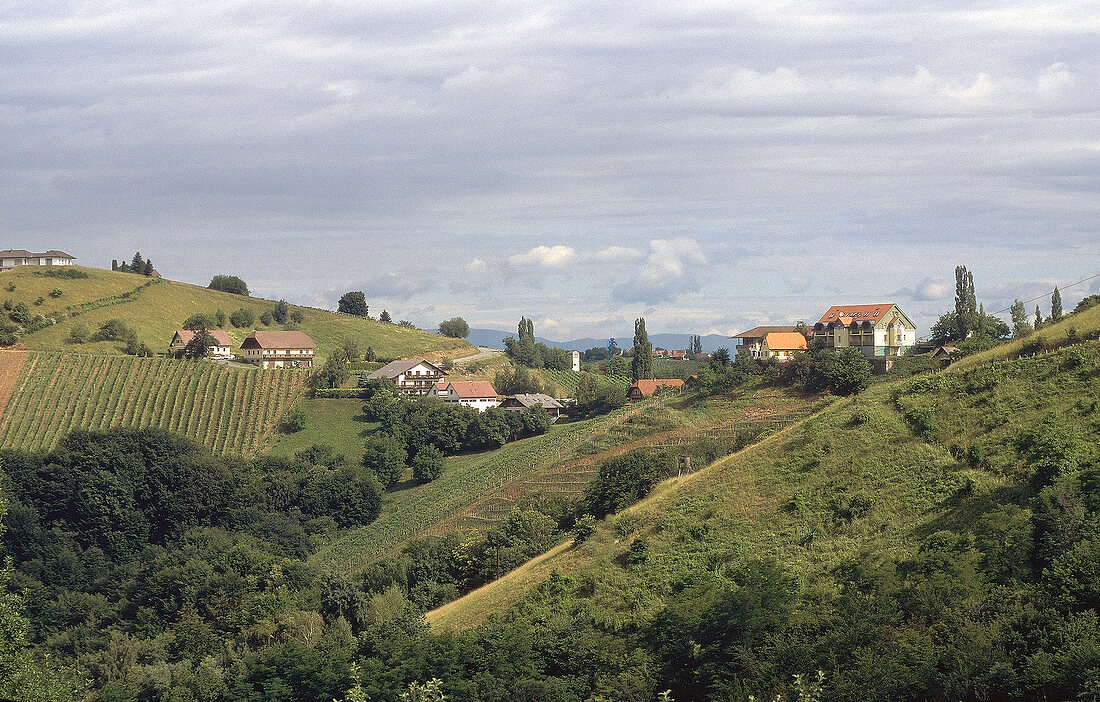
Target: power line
1040 297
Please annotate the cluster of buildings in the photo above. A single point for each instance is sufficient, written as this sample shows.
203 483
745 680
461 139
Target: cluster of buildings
879 331
420 378
266 349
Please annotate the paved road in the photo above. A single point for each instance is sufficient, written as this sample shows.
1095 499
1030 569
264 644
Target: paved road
482 352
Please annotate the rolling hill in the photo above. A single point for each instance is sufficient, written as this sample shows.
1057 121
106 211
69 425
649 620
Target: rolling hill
156 307
880 473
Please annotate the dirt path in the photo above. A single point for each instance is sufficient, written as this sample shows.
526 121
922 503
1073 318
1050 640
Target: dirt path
11 365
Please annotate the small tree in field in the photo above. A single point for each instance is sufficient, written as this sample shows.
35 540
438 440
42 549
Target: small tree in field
354 303
427 465
456 328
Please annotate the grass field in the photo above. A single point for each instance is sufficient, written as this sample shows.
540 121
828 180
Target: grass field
158 309
337 423
230 410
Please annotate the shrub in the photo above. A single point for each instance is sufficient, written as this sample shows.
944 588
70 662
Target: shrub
385 456
199 321
297 317
242 318
228 283
266 319
294 421
427 465
281 311
78 334
56 293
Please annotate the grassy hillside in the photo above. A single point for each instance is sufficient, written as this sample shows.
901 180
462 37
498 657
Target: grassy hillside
879 473
230 410
157 307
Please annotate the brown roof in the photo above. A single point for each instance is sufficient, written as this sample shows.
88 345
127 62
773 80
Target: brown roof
23 253
851 313
785 341
219 335
532 400
468 389
761 332
648 387
278 340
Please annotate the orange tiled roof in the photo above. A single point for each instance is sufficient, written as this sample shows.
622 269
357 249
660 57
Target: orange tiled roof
648 387
847 314
785 341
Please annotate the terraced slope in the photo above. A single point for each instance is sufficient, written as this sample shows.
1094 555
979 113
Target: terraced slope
231 410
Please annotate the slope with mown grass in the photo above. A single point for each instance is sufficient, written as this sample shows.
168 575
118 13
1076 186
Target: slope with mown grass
156 307
876 474
230 410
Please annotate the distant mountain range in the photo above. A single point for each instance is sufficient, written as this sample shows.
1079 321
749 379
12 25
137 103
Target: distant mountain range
495 339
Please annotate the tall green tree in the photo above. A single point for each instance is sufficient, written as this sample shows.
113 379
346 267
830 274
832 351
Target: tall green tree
1020 324
1056 312
229 284
1038 317
641 366
281 312
966 317
455 327
354 303
137 265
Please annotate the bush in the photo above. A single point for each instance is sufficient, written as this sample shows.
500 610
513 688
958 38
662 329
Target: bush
199 321
21 314
427 465
456 328
228 283
266 319
281 312
385 456
242 318
56 293
848 372
78 334
294 421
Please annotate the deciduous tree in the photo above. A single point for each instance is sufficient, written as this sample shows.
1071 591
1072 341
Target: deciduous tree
456 328
354 303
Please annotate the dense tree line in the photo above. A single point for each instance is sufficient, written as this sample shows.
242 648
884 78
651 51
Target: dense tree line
525 351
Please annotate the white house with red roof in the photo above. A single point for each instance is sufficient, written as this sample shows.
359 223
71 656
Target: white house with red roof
479 394
221 348
876 330
279 349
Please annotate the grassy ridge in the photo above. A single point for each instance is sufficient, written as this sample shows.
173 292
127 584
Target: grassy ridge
230 410
877 473
156 310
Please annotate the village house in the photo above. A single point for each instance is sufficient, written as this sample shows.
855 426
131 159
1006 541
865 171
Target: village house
876 330
221 348
279 349
10 258
642 389
782 345
752 341
526 401
410 377
479 394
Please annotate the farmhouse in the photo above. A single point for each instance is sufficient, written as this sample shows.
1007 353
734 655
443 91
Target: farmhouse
752 341
221 348
412 377
10 258
876 330
642 389
479 394
279 349
782 345
527 401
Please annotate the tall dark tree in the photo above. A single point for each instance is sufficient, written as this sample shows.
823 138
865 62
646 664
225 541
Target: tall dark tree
641 366
137 265
1020 324
385 317
148 269
695 345
1038 317
524 350
281 312
354 302
1056 312
200 345
966 305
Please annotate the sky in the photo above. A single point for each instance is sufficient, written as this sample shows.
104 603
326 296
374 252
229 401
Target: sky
709 166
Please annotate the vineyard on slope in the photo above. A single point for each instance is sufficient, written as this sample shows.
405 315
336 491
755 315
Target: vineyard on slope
230 410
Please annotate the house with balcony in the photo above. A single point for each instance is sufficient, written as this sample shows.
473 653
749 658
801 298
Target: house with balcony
278 349
410 377
879 330
751 342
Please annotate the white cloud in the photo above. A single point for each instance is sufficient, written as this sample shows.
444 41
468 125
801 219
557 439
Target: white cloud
618 253
476 266
545 257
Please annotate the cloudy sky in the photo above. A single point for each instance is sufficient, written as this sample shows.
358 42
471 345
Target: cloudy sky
707 165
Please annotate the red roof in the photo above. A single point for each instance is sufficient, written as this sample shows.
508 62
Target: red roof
278 340
186 335
468 389
856 313
648 387
785 341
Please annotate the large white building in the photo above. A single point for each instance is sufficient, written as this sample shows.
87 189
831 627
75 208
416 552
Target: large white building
876 330
478 394
10 258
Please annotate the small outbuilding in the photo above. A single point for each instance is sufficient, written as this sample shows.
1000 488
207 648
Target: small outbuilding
479 394
642 389
528 401
221 348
